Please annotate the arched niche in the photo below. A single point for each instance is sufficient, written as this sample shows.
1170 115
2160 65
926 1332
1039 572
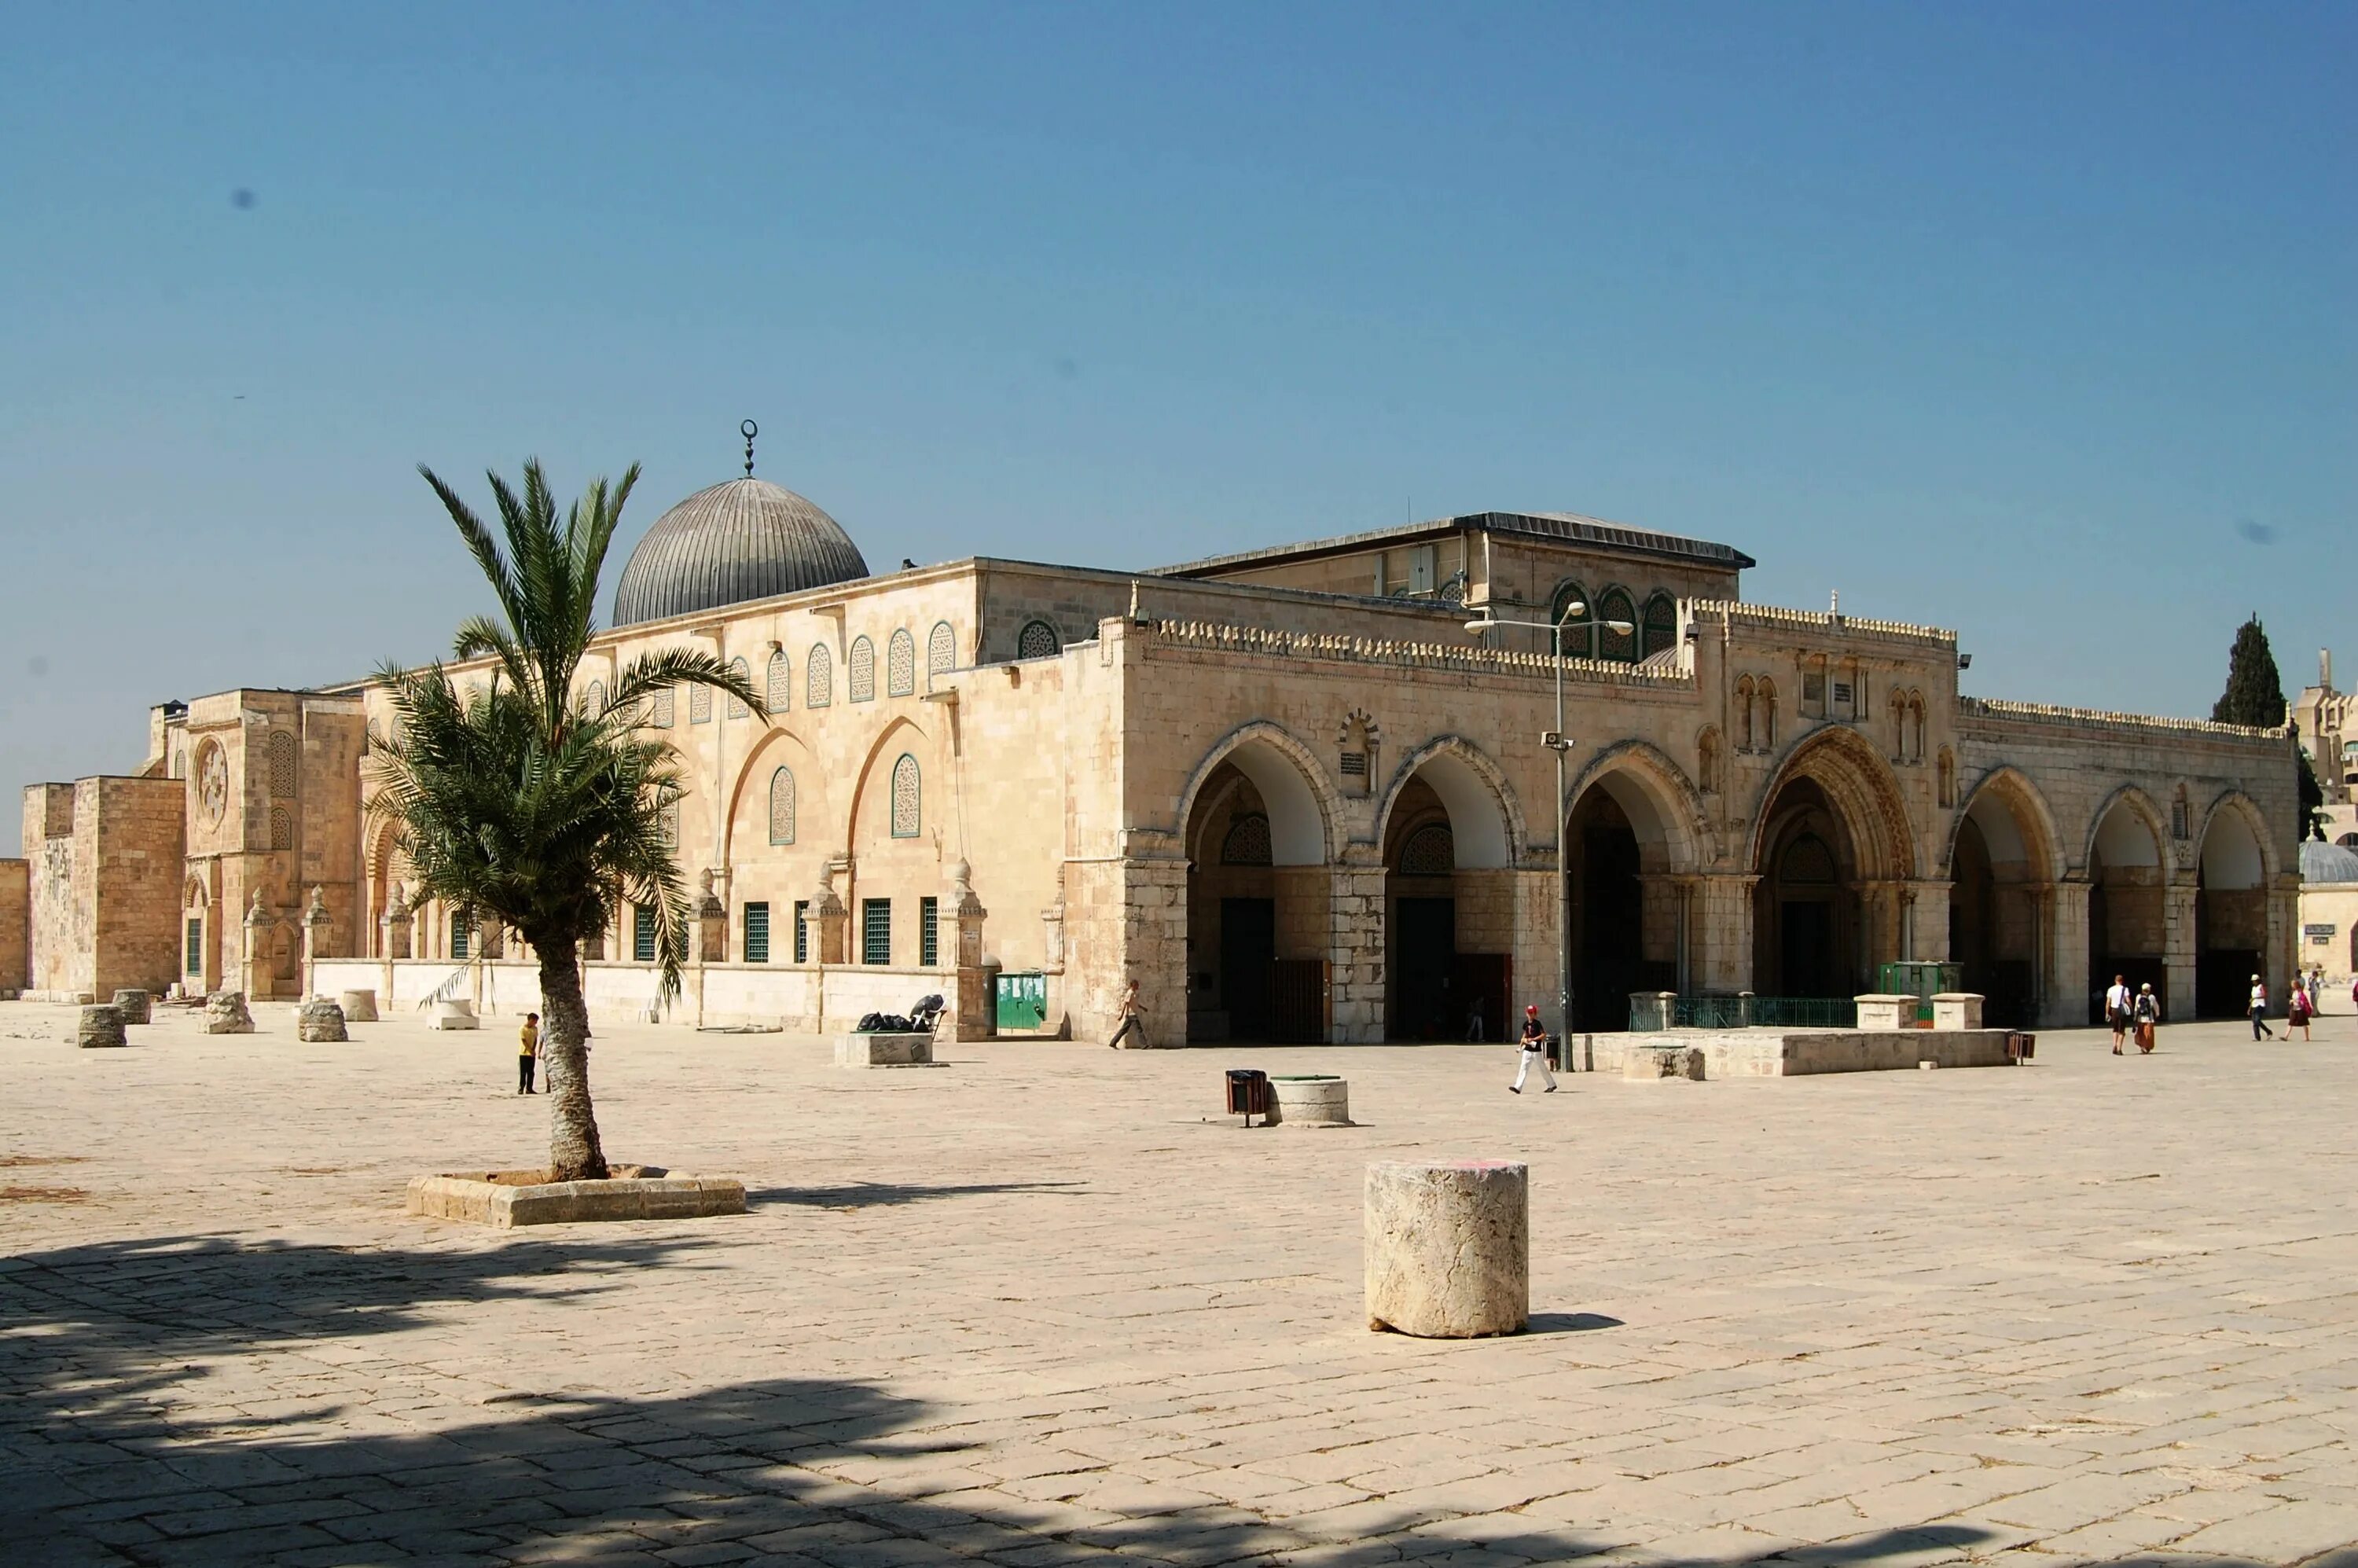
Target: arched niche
1256 822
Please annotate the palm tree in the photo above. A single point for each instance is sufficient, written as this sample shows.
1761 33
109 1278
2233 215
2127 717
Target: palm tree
516 802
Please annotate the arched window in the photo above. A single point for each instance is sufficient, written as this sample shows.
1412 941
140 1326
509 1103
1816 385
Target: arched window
818 678
1946 787
659 707
941 650
1916 726
1612 645
1430 851
282 765
671 825
1707 761
862 670
1767 731
1899 727
779 686
1744 699
1038 640
743 672
1579 642
1247 842
593 698
907 814
1660 627
699 705
2182 817
782 806
900 665
281 828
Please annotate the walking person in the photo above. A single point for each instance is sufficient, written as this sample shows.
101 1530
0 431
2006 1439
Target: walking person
2116 1010
2147 1013
1534 1049
1128 1011
2297 1014
2260 1009
528 1053
1474 1029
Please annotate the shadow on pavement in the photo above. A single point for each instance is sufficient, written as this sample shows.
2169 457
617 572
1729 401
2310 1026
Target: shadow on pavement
882 1194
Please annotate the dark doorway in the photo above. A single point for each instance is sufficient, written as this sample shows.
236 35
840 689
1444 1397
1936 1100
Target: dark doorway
1486 984
1247 953
1424 958
1297 1007
1808 931
1611 923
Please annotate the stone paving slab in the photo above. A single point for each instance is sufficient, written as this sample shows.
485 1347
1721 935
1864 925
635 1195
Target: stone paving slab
1046 1304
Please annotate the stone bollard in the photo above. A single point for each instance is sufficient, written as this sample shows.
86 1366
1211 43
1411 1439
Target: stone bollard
321 1020
225 1014
1649 1063
1309 1099
1957 1010
360 1007
134 1005
456 1013
1882 1009
100 1026
1448 1247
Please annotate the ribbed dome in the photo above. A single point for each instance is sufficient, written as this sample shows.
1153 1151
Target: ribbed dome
2323 862
743 539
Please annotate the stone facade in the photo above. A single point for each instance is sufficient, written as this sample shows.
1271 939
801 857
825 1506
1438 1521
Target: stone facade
15 924
102 883
1289 806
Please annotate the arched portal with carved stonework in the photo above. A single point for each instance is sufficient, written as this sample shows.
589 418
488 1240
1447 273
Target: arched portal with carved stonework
1449 833
2231 910
2003 866
1260 901
2127 902
1832 853
1630 835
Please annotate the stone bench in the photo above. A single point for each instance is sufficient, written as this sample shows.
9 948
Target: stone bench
909 1048
1448 1247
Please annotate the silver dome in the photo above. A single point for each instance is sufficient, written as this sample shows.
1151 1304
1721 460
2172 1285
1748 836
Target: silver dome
2323 862
745 538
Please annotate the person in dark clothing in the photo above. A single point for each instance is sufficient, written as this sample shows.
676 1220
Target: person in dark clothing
528 1053
1534 1049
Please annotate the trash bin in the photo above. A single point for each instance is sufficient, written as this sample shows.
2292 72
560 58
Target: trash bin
1248 1093
1555 1053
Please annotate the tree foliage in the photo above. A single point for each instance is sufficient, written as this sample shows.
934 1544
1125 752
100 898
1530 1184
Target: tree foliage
512 799
2254 693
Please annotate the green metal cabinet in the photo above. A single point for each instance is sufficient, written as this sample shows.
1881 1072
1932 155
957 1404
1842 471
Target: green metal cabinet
1020 1001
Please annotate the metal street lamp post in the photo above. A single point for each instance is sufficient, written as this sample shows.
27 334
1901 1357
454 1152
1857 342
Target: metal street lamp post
1557 742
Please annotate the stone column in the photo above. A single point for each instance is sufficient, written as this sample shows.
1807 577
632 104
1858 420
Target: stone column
1720 952
971 1002
1355 977
1539 925
711 923
254 964
316 940
1928 926
2066 1006
1126 919
827 914
2282 959
2179 958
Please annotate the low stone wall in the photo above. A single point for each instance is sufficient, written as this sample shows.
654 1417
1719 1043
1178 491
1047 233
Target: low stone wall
804 998
1788 1053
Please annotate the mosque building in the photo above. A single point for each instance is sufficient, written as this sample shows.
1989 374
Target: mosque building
1295 794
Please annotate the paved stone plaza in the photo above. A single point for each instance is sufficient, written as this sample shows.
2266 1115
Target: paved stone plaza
1043 1303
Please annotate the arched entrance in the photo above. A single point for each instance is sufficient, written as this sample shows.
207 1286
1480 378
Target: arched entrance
1449 902
1258 900
2231 914
2001 870
1624 839
1830 853
2125 894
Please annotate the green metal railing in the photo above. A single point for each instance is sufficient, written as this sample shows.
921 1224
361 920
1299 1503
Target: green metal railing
1651 1013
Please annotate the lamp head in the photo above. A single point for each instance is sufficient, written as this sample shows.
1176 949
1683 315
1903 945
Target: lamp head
1479 627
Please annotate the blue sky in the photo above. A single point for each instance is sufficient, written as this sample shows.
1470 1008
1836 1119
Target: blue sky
2036 321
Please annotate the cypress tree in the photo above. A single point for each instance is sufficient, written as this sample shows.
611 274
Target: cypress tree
2254 693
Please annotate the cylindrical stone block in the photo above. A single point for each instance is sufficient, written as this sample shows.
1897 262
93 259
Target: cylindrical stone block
360 1007
1309 1099
100 1026
1448 1247
132 1005
321 1020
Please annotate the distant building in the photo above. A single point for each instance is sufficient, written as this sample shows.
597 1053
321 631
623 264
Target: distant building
1286 791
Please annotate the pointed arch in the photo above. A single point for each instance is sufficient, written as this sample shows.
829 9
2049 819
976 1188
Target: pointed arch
1664 807
901 736
748 793
1860 785
941 650
1658 631
1616 603
1303 805
2234 804
818 676
900 663
2032 820
738 708
778 683
860 671
2142 809
781 806
1580 644
1485 818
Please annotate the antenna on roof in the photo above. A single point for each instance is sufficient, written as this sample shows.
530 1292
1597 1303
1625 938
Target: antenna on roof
749 431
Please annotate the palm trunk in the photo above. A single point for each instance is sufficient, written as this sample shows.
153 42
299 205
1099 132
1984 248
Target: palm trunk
574 1154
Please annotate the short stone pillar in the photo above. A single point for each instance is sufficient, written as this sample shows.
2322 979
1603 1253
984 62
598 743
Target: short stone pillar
1648 1063
828 919
456 1013
360 1007
1448 1247
974 999
1881 1012
911 1048
711 921
226 1013
1957 1010
317 937
1309 1099
321 1020
134 1005
100 1026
